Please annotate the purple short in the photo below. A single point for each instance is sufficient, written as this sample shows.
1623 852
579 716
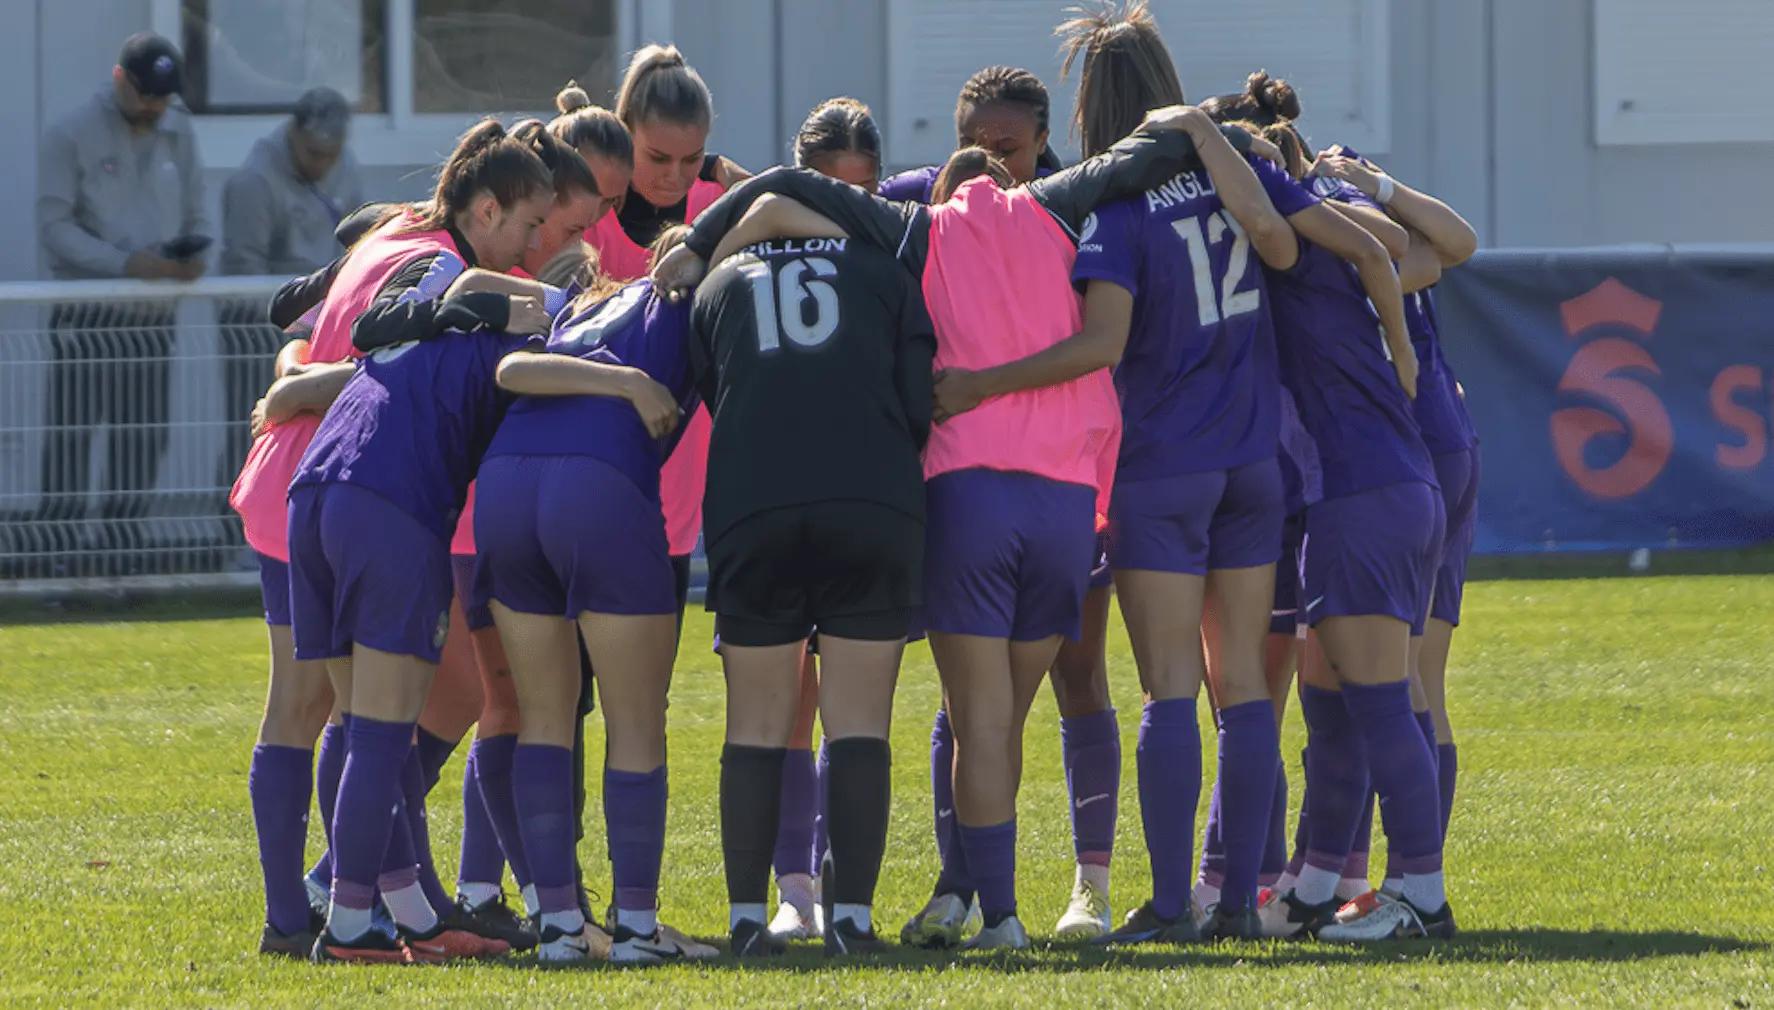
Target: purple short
274 586
469 578
1194 522
363 571
563 535
1374 552
1457 472
1285 617
1102 576
1006 555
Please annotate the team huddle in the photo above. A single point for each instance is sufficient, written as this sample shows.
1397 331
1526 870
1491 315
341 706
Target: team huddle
1197 373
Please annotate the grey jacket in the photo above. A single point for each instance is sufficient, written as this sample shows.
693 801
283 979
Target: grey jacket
95 204
273 222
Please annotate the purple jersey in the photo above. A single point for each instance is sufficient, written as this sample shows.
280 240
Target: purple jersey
1198 379
1335 362
912 186
1441 412
633 327
412 423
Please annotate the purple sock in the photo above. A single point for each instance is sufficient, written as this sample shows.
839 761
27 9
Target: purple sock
991 856
1394 867
1213 847
327 768
821 843
1355 867
1091 745
414 784
542 780
482 861
1250 750
368 810
1169 760
1303 826
279 782
1403 769
1336 773
1275 850
794 826
492 765
954 877
1447 767
634 817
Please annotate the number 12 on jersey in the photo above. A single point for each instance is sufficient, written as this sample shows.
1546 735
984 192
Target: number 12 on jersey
780 306
1227 301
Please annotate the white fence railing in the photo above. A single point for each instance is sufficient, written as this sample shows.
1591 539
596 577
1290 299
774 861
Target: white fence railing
124 410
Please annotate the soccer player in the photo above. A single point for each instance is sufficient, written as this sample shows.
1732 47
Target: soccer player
373 502
1006 574
1373 543
571 534
1002 110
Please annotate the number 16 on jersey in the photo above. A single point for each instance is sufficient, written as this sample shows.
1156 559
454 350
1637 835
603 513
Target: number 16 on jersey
781 304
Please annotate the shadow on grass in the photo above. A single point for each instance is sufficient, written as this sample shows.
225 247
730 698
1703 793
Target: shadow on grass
1528 946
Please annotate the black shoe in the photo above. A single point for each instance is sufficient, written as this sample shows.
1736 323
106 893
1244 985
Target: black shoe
373 947
296 945
751 939
495 920
1143 925
843 938
1225 924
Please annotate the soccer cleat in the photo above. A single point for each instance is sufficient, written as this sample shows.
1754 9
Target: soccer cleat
444 942
1202 915
790 923
1144 925
296 945
559 947
320 898
750 939
1287 917
1006 935
1087 914
1225 924
493 919
691 948
1392 919
491 945
939 925
1359 906
373 947
630 947
845 938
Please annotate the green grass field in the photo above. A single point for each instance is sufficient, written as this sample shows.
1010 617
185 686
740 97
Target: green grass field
1610 844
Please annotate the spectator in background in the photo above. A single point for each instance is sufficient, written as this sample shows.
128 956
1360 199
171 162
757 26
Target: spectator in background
121 195
280 209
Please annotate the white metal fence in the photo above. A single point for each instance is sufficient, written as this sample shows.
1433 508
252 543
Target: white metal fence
124 410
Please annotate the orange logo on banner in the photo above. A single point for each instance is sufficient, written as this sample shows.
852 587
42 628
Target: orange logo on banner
1609 369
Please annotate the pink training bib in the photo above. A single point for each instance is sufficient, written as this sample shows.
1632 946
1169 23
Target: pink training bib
682 479
998 283
261 492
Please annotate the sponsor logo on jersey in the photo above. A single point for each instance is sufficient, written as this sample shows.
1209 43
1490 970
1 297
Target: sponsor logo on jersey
1084 237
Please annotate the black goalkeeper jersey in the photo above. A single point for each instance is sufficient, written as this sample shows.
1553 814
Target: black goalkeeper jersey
814 358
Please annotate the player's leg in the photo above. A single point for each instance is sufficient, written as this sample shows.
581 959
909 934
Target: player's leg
1090 741
796 860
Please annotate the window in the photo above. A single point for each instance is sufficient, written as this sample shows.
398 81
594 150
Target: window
1690 72
416 71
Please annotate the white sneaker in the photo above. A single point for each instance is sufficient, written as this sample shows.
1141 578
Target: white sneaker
1087 914
1392 919
1006 935
591 943
688 947
791 923
939 925
1202 914
665 944
1285 917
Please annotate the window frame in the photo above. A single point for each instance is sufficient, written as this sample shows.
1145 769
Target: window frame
399 136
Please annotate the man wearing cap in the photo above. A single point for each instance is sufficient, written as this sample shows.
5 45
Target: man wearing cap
119 181
280 209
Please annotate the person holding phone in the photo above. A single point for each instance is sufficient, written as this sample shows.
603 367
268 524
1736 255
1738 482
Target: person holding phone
119 180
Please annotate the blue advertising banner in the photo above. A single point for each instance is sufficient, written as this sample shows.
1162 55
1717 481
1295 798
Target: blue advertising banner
1624 399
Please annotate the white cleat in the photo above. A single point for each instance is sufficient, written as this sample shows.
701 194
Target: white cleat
792 923
665 944
589 944
939 925
689 948
1006 935
1087 914
1392 919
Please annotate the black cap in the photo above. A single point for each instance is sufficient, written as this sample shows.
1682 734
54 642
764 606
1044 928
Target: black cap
153 65
323 113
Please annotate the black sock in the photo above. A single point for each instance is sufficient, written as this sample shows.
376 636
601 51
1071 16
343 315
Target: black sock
858 788
751 799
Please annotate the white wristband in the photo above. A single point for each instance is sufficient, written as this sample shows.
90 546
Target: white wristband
1386 190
